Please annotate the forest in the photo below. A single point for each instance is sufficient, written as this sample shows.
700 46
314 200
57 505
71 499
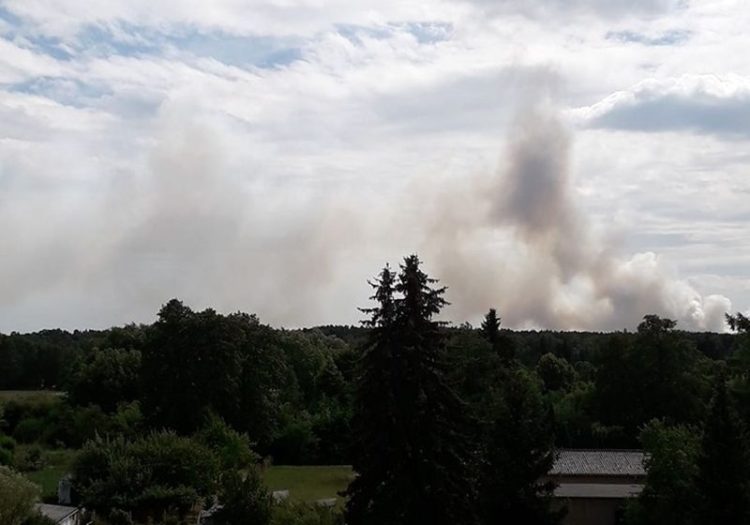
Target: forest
163 420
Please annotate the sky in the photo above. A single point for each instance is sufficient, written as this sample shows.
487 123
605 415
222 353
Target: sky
576 164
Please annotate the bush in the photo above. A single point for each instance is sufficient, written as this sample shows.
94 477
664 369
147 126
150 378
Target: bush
7 446
245 500
232 449
29 458
149 476
127 420
17 497
16 410
37 518
119 517
29 430
305 514
296 443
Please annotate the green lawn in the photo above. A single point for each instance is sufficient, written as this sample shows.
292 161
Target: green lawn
57 465
309 483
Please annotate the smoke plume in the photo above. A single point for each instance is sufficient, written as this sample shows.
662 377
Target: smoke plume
198 219
522 245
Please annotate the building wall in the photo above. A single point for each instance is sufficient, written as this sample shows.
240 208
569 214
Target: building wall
586 511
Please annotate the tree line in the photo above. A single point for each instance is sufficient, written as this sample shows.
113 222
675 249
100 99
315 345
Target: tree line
449 424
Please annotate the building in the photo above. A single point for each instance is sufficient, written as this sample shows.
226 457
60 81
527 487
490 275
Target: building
594 484
61 515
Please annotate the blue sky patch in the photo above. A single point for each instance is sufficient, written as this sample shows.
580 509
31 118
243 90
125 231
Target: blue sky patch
668 38
257 51
69 92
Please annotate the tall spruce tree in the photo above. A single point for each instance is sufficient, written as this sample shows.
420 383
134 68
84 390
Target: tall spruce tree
491 327
724 463
501 344
411 455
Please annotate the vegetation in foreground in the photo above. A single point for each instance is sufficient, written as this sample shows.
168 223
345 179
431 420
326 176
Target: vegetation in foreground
141 446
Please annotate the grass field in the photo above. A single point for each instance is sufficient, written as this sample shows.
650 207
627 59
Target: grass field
7 395
309 483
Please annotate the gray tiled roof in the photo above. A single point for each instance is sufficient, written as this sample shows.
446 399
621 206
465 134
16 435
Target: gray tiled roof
597 490
56 513
599 463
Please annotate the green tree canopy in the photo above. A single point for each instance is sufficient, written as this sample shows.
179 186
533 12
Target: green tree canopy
199 363
658 374
518 453
555 372
670 495
106 377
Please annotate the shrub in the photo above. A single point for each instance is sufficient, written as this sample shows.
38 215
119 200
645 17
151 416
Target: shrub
149 476
17 497
245 500
119 517
232 448
305 514
29 458
29 430
7 446
296 443
36 518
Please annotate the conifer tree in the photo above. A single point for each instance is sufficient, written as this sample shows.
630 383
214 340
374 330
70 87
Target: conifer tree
724 463
491 327
411 455
502 345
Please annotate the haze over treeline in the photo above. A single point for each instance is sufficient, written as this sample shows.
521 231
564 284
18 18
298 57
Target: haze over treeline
574 164
514 237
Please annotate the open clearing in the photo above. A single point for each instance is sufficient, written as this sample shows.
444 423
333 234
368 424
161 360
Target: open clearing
309 483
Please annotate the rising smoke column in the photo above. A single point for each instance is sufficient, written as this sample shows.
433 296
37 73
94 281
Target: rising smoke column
517 240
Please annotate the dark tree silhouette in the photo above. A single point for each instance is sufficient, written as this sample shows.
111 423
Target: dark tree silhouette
658 374
502 345
724 463
738 322
411 454
518 453
491 327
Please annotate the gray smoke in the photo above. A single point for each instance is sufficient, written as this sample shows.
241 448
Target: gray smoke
198 219
522 245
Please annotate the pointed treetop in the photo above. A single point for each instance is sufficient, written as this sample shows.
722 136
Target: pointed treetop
491 326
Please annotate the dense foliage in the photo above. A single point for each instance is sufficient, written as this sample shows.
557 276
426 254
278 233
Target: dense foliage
465 420
149 477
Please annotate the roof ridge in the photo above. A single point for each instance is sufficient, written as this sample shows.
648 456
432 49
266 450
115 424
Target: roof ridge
600 450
